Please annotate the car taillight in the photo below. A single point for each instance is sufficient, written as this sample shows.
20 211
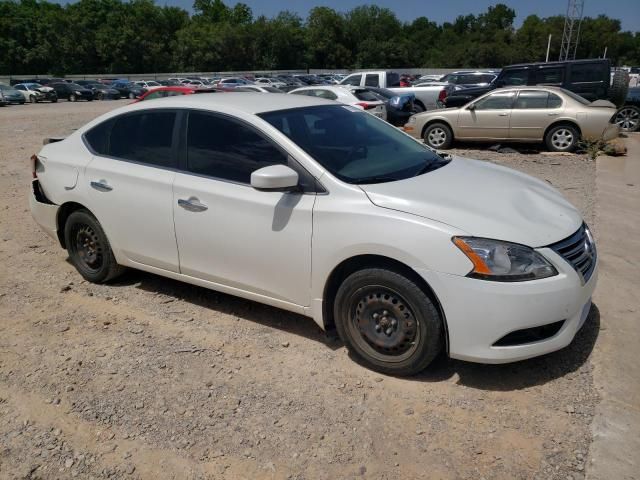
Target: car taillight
366 106
442 95
34 164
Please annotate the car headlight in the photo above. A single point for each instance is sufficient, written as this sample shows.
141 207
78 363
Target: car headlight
77 93
503 261
412 119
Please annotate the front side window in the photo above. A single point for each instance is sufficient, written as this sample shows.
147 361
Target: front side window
353 80
224 148
353 145
496 101
514 77
143 137
371 80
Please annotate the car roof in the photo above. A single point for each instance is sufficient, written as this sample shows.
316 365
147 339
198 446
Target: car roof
557 63
245 102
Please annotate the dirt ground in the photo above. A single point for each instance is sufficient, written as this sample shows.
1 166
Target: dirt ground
150 378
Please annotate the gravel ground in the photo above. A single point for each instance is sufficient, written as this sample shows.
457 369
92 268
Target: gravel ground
151 378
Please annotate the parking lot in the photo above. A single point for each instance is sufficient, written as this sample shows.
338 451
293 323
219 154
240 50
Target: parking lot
151 378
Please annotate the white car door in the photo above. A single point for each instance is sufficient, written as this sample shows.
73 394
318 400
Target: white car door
130 179
228 232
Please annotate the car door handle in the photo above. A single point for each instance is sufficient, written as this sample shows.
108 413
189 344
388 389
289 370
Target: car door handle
192 204
503 114
552 114
102 185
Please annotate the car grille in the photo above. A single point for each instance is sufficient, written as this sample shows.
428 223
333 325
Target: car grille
579 250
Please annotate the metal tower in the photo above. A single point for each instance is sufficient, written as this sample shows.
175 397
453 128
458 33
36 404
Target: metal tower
571 33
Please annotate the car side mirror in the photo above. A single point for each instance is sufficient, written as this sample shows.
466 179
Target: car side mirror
275 178
472 107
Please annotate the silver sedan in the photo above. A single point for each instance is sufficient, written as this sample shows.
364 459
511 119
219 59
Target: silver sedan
552 115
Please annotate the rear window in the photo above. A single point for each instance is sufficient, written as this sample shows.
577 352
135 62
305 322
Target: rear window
589 72
366 95
576 97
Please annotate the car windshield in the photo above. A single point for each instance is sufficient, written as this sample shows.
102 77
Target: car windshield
353 145
31 86
76 86
576 97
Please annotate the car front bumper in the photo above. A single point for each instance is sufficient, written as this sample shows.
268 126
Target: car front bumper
479 313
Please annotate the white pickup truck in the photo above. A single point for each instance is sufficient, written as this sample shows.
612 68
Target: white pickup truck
427 97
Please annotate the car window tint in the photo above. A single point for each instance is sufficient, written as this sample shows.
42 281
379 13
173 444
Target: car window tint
550 75
353 80
515 77
98 137
393 79
325 94
366 96
588 72
144 137
227 149
529 99
371 80
496 101
554 101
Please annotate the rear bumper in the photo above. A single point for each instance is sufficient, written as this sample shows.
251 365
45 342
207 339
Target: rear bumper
43 211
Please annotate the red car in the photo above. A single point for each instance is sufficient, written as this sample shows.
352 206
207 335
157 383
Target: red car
162 92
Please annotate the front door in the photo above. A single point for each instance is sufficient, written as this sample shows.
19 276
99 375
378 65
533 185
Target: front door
228 232
129 180
487 119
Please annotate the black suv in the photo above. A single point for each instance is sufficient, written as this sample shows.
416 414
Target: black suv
590 79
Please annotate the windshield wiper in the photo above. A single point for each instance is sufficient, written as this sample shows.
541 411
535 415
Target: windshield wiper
369 180
434 164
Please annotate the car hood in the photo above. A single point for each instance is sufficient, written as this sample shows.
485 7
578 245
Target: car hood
44 89
484 200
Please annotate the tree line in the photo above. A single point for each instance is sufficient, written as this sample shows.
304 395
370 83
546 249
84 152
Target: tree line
138 36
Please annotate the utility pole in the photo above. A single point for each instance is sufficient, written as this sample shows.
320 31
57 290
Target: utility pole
571 33
548 48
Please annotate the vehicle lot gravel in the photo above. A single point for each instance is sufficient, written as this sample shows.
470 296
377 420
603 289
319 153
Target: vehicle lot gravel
151 378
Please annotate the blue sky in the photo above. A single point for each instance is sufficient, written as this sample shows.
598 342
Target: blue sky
628 11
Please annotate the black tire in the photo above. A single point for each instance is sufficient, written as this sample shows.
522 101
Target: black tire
417 108
72 98
100 96
628 118
55 100
387 322
619 88
438 136
33 99
89 248
132 95
562 138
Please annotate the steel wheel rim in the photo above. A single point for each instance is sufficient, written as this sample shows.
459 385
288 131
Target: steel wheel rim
383 324
627 119
437 136
562 138
88 247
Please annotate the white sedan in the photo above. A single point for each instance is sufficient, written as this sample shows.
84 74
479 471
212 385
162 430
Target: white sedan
269 82
356 96
321 209
149 85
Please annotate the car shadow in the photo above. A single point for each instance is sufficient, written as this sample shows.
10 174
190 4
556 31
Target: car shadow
249 310
523 374
504 377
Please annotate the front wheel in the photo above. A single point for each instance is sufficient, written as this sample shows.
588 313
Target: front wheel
33 99
562 138
387 321
132 95
72 98
438 136
89 249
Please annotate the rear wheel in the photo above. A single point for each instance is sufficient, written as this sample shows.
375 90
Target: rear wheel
438 136
628 118
387 321
33 99
100 96
72 98
562 138
132 95
89 249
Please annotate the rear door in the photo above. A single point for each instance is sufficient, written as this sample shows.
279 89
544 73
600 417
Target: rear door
533 111
129 180
489 119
